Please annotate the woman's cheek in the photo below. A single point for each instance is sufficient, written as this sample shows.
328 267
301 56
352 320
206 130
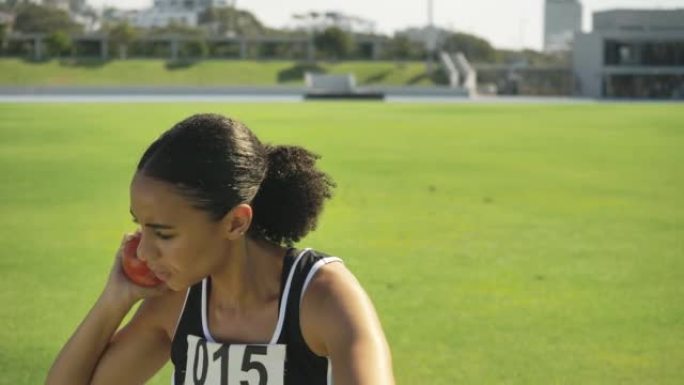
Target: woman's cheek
173 253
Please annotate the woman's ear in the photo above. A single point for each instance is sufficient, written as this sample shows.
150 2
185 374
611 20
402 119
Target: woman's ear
236 222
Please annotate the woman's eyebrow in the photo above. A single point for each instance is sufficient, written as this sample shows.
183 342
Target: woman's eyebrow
152 225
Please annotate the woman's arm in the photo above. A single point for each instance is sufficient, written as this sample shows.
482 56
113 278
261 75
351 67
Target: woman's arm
338 320
96 355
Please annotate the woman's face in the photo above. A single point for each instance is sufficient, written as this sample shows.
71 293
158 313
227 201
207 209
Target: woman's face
179 242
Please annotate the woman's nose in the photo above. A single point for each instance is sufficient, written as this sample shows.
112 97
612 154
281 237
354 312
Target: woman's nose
145 249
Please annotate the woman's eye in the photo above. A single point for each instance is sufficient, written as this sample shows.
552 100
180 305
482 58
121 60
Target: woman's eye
163 236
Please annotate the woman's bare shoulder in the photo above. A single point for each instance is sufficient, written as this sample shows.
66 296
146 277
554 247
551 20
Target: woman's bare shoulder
333 295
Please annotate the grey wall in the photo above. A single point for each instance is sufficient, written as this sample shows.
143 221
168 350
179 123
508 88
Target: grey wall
639 20
587 64
562 18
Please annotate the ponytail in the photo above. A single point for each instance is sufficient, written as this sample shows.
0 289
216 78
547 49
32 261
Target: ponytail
291 196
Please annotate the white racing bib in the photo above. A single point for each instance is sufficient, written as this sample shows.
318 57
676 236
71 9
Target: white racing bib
210 363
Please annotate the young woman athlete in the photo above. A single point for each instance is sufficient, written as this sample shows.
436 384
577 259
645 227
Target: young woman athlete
218 213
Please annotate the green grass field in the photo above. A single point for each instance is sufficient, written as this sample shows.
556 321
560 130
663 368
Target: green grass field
500 244
16 72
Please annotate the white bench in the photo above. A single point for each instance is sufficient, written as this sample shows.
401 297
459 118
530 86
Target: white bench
337 84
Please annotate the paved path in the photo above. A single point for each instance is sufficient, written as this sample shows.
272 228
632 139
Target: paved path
259 94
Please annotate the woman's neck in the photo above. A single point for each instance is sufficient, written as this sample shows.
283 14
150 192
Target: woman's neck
249 278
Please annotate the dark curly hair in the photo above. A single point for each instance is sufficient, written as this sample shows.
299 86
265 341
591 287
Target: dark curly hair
218 163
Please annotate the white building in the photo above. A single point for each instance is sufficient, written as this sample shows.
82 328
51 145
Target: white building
184 12
562 19
189 5
154 17
631 53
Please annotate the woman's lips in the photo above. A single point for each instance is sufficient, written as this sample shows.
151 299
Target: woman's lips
162 275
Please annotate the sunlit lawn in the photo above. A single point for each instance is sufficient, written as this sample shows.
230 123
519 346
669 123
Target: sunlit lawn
158 72
500 244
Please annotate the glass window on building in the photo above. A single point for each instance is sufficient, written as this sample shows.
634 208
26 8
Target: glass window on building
626 55
618 53
647 53
645 86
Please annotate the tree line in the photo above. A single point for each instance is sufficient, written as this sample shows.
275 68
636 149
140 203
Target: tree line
330 44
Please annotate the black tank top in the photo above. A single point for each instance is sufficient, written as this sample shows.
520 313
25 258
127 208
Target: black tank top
212 362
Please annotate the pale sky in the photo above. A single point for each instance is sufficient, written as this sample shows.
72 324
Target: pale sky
505 23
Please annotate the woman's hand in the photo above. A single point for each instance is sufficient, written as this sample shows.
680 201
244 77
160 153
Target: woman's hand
96 352
121 289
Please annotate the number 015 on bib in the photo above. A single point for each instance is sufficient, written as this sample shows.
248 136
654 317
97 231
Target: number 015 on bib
211 363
